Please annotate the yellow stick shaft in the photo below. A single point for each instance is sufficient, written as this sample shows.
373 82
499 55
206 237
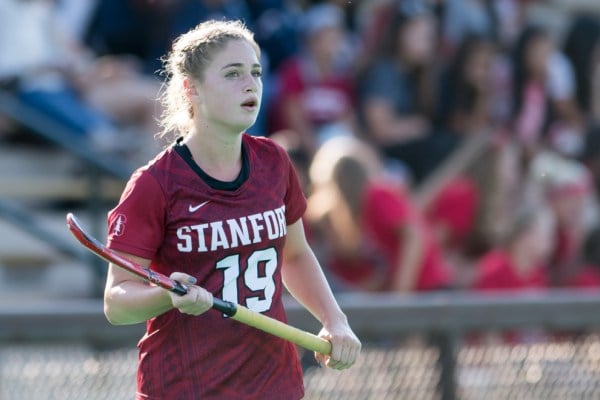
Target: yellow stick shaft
284 331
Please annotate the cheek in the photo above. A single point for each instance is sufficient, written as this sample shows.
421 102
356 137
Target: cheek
217 105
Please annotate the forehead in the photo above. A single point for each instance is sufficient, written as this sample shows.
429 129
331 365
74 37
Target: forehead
235 52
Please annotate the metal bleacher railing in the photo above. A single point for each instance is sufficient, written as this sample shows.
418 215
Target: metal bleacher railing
415 347
98 166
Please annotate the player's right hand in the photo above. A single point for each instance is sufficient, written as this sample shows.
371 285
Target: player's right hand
196 301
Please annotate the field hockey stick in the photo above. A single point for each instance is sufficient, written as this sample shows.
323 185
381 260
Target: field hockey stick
235 311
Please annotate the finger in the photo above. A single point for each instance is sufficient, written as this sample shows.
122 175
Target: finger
183 278
203 300
353 355
321 359
335 364
345 353
336 350
348 356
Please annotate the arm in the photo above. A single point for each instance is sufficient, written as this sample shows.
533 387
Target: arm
130 300
303 277
412 247
389 128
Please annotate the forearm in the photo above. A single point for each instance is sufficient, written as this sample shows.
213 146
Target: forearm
409 262
132 302
389 128
304 279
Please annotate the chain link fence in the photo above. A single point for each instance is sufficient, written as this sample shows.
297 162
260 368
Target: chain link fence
557 368
405 362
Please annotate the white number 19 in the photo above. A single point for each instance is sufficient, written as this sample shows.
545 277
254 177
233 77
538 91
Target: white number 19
253 279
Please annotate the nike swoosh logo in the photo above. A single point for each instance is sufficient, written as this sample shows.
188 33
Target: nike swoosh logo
197 207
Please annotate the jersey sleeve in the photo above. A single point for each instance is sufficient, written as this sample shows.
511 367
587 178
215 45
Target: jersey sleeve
136 224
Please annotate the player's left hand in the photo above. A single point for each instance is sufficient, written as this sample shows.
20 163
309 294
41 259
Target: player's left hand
345 347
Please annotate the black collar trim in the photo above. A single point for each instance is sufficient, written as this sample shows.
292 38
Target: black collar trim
183 150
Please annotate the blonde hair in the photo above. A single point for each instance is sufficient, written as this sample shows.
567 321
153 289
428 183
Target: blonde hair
339 172
191 53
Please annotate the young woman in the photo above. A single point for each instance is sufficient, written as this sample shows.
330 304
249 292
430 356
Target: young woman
220 211
397 94
521 262
545 113
376 238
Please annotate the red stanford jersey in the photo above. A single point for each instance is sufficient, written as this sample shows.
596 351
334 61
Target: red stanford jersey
230 236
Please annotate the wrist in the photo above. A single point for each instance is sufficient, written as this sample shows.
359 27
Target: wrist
336 318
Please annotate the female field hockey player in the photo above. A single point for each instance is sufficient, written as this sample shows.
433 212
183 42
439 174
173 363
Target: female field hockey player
220 211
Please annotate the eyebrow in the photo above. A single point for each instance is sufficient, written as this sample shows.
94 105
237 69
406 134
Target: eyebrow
239 65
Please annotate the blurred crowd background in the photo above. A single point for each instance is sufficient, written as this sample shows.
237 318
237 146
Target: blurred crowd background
442 145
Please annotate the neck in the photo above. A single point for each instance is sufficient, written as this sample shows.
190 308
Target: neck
218 153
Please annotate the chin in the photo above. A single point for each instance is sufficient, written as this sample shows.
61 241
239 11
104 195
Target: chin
245 125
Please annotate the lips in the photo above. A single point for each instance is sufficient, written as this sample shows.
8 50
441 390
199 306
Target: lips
250 103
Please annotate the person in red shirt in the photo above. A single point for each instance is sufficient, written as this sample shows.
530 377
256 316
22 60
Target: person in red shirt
521 264
220 211
314 95
375 238
453 211
568 188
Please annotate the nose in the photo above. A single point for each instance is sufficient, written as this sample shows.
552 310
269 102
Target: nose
251 84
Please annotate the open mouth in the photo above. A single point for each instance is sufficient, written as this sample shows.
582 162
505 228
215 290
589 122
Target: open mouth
250 104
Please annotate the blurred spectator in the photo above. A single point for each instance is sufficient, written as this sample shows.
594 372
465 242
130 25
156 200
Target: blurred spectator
498 20
471 100
518 264
521 262
349 8
452 217
371 21
276 27
545 113
582 47
137 28
398 93
566 185
464 18
50 71
374 238
146 28
36 65
471 211
314 97
510 17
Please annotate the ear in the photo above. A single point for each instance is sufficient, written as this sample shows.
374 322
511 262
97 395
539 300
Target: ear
190 88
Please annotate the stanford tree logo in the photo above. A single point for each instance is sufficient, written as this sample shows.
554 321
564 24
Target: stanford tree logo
119 225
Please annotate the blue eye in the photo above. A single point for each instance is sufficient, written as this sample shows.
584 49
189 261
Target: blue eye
257 74
232 74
